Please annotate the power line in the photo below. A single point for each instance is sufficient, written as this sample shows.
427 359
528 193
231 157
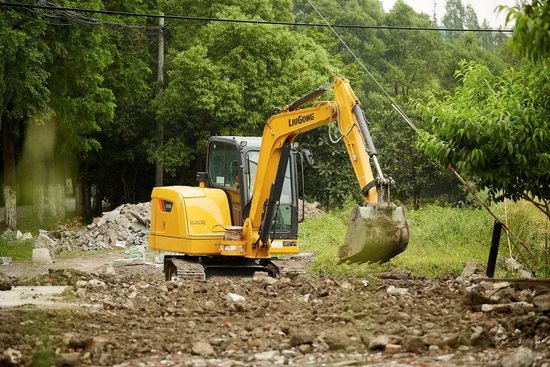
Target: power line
206 19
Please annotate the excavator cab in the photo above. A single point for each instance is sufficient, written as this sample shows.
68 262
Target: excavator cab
231 166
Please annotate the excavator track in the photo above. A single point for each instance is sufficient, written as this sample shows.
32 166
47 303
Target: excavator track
201 268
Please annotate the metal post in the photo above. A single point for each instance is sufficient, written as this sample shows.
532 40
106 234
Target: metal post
491 264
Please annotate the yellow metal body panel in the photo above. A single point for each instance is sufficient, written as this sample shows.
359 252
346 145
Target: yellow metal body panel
194 222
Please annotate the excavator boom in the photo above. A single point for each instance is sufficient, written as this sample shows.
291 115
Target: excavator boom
378 231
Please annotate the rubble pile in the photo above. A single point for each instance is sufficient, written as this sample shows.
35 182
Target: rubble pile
390 319
308 208
127 225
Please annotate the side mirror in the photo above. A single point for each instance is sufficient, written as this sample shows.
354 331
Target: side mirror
306 153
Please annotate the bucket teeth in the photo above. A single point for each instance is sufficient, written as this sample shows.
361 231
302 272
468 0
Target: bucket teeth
374 235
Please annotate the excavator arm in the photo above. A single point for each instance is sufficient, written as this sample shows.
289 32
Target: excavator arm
280 132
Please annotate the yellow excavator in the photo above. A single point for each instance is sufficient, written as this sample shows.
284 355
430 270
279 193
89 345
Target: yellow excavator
245 210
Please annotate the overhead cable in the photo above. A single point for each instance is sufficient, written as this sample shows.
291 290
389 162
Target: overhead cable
249 21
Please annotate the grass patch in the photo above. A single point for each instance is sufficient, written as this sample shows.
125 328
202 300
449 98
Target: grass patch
16 249
441 240
78 253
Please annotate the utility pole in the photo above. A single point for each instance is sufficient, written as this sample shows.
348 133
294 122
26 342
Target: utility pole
160 81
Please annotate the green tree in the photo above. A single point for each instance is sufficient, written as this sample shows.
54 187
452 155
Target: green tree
23 91
532 21
495 128
231 78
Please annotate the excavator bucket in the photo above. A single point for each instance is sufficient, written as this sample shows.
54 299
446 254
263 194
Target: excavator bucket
374 235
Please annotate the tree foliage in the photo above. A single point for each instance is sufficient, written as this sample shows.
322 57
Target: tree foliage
531 36
495 128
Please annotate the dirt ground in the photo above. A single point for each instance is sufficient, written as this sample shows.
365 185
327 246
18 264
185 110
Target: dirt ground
134 318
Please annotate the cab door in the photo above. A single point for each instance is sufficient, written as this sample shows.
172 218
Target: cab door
224 172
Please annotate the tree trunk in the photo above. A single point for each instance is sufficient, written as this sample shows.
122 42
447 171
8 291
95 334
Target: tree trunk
79 198
96 208
10 199
87 201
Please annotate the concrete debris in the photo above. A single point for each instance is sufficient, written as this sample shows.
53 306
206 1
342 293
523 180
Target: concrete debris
506 307
522 357
524 274
512 264
263 278
470 269
94 283
542 301
397 291
310 208
266 356
134 252
202 349
119 227
8 235
232 297
126 262
41 256
379 342
5 260
5 283
12 357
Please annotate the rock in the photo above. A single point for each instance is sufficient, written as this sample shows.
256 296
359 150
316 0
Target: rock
108 305
500 285
12 357
300 337
470 269
522 357
512 264
524 274
5 283
80 292
95 283
27 236
305 348
337 340
126 262
70 359
445 357
5 260
542 301
109 270
18 235
413 344
481 338
131 292
81 283
202 349
232 297
395 274
263 278
397 291
41 256
104 359
506 307
392 348
346 285
379 343
266 356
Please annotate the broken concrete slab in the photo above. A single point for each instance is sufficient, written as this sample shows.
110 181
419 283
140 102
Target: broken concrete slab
470 269
5 260
41 256
126 262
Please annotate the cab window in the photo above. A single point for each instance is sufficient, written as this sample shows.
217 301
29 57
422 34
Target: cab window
223 165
